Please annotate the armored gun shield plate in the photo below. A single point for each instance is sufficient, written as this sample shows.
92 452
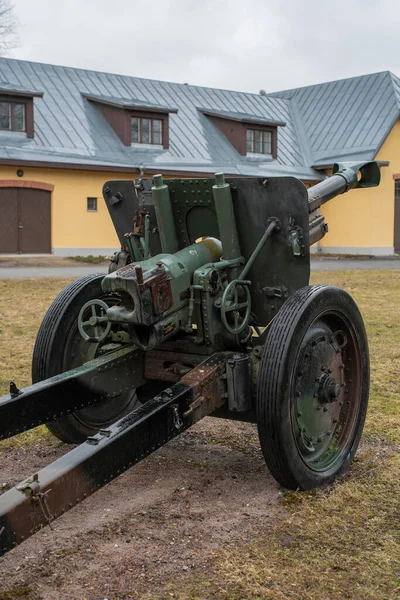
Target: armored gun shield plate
283 265
123 201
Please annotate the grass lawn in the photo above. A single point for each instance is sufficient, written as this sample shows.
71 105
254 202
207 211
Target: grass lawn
339 542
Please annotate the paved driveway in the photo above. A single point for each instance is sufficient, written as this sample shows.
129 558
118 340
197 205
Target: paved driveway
327 264
331 264
26 272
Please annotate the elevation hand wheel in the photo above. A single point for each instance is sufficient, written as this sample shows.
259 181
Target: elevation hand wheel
93 323
239 309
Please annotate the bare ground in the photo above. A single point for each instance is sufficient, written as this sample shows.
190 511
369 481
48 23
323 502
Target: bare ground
165 517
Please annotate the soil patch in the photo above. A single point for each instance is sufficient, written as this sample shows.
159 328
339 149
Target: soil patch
164 517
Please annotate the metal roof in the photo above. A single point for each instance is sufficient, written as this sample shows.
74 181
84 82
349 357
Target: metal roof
69 128
340 120
127 102
347 119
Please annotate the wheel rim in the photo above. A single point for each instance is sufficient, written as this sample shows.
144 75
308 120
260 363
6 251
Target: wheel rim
77 352
326 391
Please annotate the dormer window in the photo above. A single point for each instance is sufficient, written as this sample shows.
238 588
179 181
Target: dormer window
146 131
135 122
258 142
248 134
16 108
12 116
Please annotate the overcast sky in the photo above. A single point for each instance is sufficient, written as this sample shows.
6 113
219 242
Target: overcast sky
235 44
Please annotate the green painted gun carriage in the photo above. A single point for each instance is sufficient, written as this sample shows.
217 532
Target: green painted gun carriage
206 310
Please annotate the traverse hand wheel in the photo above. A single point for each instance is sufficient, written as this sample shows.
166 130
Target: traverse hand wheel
93 323
240 309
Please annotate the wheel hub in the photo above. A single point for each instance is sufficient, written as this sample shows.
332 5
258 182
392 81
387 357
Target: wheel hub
328 390
318 396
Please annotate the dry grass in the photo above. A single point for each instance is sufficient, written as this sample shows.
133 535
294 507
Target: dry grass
36 261
340 542
23 304
337 543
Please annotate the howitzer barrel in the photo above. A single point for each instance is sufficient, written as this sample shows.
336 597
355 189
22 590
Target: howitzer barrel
345 176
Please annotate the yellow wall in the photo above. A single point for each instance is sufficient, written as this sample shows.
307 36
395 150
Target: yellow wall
72 226
360 221
365 218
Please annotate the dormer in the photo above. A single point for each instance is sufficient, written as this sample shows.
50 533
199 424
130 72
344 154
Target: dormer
16 108
250 135
136 123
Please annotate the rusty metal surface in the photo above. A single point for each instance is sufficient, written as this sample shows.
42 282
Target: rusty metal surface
161 292
207 382
169 366
318 228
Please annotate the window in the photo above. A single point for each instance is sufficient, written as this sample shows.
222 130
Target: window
92 204
259 142
12 116
146 131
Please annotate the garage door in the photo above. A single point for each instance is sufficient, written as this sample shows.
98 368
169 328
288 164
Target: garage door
25 221
397 216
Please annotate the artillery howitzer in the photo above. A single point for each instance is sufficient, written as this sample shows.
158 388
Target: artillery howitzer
205 310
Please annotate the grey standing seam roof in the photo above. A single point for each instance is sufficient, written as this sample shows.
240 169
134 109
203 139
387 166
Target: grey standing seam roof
341 120
69 128
347 119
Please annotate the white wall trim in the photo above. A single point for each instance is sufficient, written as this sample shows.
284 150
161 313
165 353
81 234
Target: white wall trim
84 251
367 250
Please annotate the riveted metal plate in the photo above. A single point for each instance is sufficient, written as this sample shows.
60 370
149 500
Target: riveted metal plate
62 394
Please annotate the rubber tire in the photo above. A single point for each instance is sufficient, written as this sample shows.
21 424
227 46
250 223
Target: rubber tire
48 353
273 404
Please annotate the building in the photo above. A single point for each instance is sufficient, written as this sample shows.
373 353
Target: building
65 131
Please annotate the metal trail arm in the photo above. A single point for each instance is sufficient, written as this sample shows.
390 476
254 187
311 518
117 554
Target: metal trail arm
61 485
62 394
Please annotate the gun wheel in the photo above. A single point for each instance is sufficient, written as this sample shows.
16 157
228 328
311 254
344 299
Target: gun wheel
60 346
313 386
